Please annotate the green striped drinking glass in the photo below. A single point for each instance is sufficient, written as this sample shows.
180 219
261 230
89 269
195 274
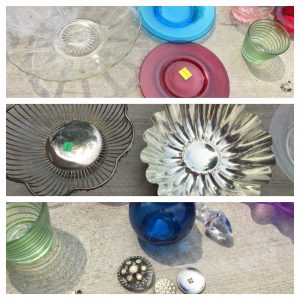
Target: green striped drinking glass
29 233
265 39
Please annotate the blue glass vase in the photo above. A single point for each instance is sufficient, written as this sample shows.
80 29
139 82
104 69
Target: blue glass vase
162 223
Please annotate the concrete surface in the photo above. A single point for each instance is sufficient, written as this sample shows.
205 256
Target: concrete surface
260 261
122 80
130 180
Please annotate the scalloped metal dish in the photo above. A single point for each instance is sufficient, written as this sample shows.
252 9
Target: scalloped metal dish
58 149
201 150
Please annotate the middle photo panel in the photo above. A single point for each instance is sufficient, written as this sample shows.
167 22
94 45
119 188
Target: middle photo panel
139 150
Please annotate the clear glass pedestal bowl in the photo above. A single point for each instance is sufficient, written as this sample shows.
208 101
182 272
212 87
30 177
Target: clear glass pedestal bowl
282 130
70 43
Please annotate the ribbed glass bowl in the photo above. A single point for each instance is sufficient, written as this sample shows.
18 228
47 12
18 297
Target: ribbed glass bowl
69 42
57 149
204 150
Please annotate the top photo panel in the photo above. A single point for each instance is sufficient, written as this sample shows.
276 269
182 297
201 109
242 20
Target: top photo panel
150 52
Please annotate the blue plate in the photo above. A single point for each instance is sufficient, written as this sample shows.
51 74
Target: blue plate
178 23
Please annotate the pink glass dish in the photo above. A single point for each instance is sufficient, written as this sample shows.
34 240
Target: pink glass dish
249 14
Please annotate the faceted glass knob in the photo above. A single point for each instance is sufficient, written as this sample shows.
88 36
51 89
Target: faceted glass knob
216 223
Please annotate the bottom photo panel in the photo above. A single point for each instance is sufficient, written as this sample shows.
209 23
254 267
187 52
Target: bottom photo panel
150 247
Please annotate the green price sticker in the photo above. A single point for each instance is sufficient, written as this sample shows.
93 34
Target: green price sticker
68 146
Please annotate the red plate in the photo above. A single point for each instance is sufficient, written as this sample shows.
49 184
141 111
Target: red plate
285 15
183 71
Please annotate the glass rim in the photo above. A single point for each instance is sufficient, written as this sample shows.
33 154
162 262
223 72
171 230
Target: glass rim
43 208
270 9
270 22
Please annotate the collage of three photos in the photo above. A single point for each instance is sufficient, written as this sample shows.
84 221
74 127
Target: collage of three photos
215 143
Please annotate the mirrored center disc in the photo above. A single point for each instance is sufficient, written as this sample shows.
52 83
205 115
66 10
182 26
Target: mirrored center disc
74 145
200 157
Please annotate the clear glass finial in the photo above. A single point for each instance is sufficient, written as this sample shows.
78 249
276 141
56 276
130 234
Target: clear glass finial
216 223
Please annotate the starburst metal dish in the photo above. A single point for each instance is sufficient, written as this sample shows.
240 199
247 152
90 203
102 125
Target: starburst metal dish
57 149
207 150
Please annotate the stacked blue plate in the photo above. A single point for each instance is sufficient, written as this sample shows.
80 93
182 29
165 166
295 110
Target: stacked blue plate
178 23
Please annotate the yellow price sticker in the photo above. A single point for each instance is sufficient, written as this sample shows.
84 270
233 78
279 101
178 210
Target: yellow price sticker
185 73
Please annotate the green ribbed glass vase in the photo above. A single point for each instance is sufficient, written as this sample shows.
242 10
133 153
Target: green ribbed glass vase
265 39
29 233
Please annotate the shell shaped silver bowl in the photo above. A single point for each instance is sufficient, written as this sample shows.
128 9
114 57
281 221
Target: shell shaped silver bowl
202 150
57 149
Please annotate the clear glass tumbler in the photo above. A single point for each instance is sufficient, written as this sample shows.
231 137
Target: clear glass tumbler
29 233
265 39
